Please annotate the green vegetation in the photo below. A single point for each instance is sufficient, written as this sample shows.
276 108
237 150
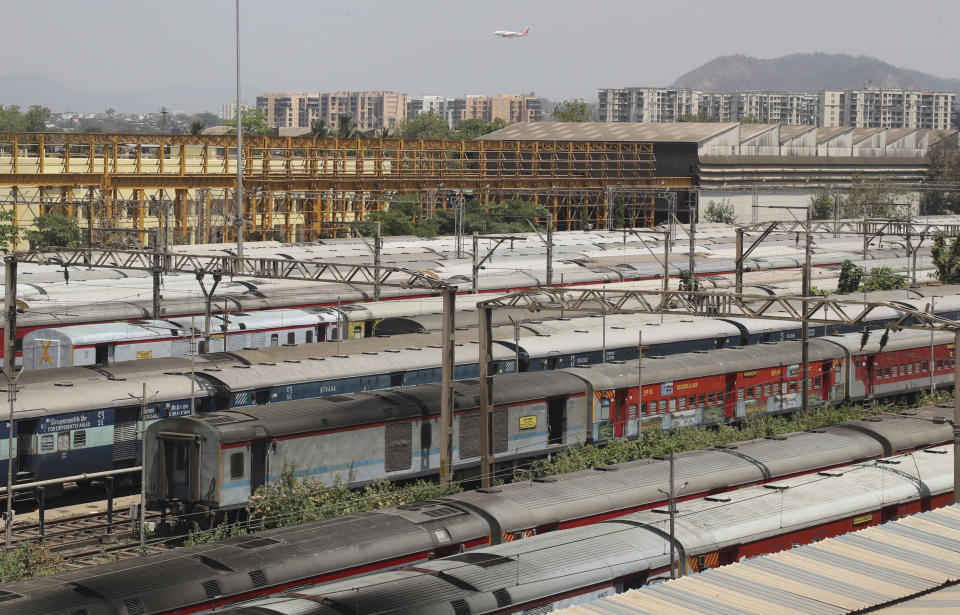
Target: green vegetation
875 199
425 126
697 117
657 442
946 259
688 281
54 230
882 278
27 561
852 279
821 205
254 123
750 119
9 232
943 159
571 111
13 120
407 216
721 212
819 292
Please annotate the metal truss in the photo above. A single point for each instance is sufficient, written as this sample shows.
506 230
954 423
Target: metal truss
818 310
870 227
273 268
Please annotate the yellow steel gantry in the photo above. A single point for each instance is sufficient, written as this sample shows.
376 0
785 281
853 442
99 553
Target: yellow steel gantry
295 184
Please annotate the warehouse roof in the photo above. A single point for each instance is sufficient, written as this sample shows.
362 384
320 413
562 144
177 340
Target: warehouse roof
792 132
680 132
876 567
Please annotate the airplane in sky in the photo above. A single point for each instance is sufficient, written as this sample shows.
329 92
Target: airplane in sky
509 34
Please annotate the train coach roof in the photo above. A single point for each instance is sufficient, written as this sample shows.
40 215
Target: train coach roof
668 368
84 395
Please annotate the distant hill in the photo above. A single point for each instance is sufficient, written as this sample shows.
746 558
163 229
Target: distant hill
25 90
808 72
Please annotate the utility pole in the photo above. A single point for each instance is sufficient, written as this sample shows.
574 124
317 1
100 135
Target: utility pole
12 398
486 395
156 271
671 502
208 298
377 245
143 472
956 418
448 367
549 253
476 265
693 244
932 385
239 145
10 327
805 335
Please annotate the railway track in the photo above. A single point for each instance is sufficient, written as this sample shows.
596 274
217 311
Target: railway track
79 536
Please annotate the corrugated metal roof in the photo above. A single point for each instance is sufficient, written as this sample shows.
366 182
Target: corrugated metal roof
879 565
686 132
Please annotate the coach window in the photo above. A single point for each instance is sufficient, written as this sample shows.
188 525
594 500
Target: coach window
926 366
879 372
740 394
749 392
710 398
663 405
766 390
916 367
719 397
701 399
47 443
236 465
291 338
692 402
683 402
79 438
886 372
63 441
309 337
909 369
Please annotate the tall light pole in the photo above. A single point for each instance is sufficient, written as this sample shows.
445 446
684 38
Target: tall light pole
239 145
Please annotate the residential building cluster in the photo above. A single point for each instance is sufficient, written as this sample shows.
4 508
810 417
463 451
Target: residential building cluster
376 109
854 108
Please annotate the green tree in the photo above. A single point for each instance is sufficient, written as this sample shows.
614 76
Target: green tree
750 119
476 127
875 199
943 160
319 129
208 119
346 127
11 120
425 126
696 117
9 231
720 213
850 277
254 123
688 281
882 278
821 205
196 127
35 120
54 230
571 111
946 259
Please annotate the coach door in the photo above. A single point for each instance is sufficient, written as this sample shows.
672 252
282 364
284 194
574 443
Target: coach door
180 460
258 465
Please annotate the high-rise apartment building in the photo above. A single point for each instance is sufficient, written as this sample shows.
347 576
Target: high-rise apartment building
369 110
886 108
647 104
872 108
511 108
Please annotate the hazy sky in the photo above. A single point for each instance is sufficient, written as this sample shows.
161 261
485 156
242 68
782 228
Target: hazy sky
447 47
